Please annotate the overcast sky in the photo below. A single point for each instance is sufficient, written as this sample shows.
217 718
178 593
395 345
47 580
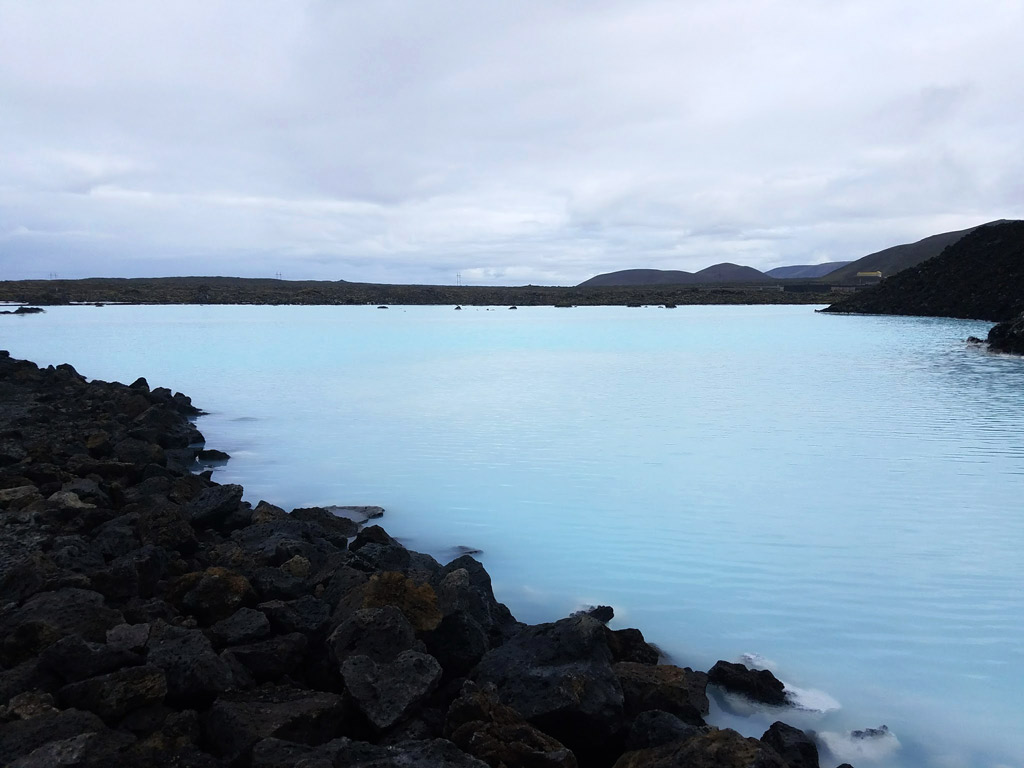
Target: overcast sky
511 142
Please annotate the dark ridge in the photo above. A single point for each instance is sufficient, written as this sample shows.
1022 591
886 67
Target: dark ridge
889 261
805 271
640 277
981 276
727 272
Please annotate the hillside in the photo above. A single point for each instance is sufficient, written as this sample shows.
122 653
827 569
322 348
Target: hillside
730 273
640 277
717 273
897 258
980 276
805 271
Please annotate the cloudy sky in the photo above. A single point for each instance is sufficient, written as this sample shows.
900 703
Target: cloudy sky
509 142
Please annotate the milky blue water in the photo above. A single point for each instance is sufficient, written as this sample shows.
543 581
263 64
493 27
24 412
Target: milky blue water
841 496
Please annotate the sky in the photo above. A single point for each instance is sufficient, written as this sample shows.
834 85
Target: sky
497 143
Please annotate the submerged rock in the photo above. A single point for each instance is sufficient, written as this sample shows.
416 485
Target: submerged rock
756 684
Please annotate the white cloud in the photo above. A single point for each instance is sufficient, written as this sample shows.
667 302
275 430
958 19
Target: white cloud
513 142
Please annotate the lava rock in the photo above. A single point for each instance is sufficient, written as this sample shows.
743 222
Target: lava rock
756 684
387 692
796 747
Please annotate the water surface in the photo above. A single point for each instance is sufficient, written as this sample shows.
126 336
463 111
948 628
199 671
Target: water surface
841 496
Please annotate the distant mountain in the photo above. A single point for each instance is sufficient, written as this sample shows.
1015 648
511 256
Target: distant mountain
730 273
640 277
980 276
806 271
897 258
718 273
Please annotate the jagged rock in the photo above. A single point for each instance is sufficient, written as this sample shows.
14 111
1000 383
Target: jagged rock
482 726
275 584
387 692
458 643
463 586
271 659
756 684
71 658
114 695
1008 337
239 719
68 500
21 738
709 749
164 524
629 645
48 616
244 626
214 505
194 672
323 517
796 747
559 677
654 728
677 690
27 705
307 615
380 633
129 637
417 601
213 594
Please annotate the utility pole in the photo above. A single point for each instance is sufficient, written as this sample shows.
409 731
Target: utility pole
458 278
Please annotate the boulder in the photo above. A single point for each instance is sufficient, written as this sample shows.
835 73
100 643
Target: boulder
796 747
271 659
71 658
677 690
239 719
417 601
211 595
48 616
194 672
21 738
243 626
482 726
214 505
1008 337
707 749
114 695
756 684
389 691
559 676
380 633
307 615
654 728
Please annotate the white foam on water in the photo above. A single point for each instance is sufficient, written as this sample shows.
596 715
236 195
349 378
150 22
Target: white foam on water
875 746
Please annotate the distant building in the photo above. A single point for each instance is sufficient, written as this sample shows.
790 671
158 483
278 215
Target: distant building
866 278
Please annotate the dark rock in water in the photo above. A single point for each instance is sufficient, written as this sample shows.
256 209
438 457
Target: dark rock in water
559 676
870 733
653 728
603 613
387 692
238 720
212 454
975 340
677 690
23 311
756 684
358 513
1008 337
707 749
481 725
796 747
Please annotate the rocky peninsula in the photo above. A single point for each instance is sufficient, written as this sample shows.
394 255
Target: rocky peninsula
152 617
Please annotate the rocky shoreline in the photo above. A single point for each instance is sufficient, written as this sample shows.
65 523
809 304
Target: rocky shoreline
151 617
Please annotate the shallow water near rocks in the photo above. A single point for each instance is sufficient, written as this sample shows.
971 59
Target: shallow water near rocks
841 496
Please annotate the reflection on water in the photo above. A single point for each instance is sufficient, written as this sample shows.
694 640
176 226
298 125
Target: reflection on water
841 495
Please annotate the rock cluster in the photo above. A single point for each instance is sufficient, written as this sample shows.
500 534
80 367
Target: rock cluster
151 617
1008 337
